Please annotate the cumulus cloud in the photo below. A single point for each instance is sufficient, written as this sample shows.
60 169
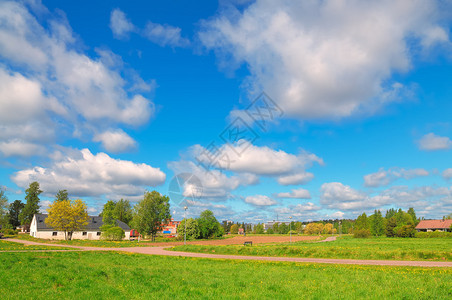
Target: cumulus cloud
165 35
215 185
120 25
260 200
17 147
325 59
300 178
49 88
244 157
433 142
160 34
385 177
447 174
295 194
85 174
429 201
115 141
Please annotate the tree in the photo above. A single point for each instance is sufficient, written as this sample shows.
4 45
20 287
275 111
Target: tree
15 209
3 208
313 228
235 229
209 226
328 228
67 216
108 213
32 205
259 229
62 195
123 211
390 213
192 229
275 227
151 213
390 225
412 213
362 222
377 223
283 228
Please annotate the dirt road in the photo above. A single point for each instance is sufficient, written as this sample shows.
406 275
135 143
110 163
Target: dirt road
161 251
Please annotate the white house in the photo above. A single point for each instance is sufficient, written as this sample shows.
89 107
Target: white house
39 229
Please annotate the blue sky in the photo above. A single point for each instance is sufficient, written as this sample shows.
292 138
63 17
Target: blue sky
112 98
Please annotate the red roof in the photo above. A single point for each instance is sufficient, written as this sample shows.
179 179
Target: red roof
434 224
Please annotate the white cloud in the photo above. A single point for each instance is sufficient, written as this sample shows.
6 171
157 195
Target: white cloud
120 25
115 141
17 147
429 201
85 174
260 200
49 89
161 34
295 194
165 35
325 59
216 185
247 158
300 178
337 215
433 142
385 177
447 174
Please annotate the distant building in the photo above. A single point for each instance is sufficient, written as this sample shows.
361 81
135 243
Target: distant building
269 224
39 229
170 228
433 225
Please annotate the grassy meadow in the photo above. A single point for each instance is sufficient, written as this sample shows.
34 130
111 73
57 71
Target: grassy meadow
107 275
11 246
437 249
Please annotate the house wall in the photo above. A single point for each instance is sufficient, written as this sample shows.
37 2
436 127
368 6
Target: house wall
77 235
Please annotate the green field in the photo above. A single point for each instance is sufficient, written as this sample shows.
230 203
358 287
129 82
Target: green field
11 246
106 275
93 243
438 249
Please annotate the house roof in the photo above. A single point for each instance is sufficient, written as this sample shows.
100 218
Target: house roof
434 224
94 223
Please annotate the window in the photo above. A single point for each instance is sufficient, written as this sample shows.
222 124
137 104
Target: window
54 233
84 233
98 233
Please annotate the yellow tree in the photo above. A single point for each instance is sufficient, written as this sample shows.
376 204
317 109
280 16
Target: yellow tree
67 216
328 228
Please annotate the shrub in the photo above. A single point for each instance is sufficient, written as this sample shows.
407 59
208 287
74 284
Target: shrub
405 231
433 234
9 231
113 234
361 233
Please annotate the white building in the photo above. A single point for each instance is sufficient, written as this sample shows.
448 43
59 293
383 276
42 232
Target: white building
39 229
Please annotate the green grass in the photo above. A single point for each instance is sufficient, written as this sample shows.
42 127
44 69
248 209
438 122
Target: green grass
438 249
111 275
94 243
11 246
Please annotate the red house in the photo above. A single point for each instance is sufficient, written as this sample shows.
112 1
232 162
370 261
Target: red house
433 225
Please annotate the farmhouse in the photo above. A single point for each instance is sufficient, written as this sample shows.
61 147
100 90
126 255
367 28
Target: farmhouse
433 225
40 229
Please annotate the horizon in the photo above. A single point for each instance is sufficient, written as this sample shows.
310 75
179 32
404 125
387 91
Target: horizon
251 109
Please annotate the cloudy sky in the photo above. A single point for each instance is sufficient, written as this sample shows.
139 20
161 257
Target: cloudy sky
255 109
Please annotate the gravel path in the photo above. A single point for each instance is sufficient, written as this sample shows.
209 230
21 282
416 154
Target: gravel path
162 251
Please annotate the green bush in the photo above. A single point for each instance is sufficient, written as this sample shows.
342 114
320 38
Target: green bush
113 234
405 231
361 233
8 231
433 234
